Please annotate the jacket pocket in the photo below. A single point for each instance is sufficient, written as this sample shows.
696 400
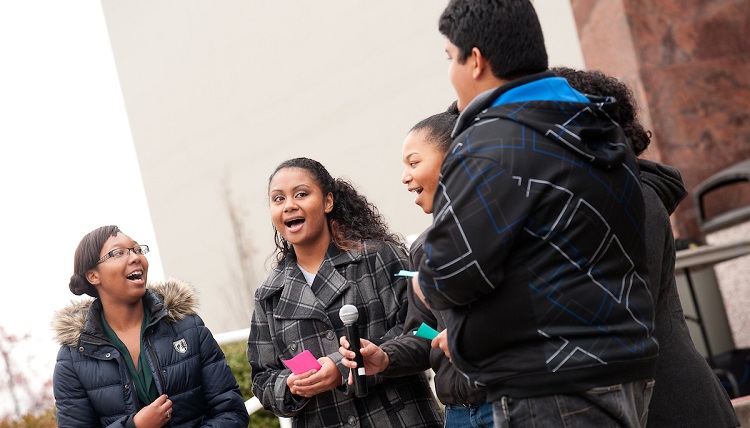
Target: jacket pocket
455 321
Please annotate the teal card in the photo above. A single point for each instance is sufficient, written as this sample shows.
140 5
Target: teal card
426 332
406 273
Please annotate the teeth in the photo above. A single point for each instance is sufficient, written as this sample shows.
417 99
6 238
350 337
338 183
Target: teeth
293 220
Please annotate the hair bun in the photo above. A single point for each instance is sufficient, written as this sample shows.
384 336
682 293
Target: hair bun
78 285
453 108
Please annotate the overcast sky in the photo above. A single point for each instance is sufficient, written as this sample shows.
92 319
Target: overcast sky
67 165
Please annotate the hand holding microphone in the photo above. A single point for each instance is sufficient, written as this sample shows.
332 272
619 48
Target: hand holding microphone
349 316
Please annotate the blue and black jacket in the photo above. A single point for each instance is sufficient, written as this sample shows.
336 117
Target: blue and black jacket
537 245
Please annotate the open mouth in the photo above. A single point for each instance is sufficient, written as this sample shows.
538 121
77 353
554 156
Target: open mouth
417 190
294 222
135 275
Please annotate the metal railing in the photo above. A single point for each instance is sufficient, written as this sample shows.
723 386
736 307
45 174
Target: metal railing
252 405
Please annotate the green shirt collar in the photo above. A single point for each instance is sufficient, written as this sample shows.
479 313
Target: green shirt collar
143 378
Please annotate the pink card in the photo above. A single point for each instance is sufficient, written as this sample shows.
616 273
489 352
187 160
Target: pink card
302 363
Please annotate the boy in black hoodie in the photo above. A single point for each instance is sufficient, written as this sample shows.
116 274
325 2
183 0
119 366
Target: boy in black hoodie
537 248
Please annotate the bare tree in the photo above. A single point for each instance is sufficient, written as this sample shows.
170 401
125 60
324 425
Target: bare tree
6 343
244 251
15 381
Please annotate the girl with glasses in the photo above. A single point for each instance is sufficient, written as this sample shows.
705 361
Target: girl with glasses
137 354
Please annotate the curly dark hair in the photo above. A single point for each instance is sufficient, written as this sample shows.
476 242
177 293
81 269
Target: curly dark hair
86 258
596 83
353 219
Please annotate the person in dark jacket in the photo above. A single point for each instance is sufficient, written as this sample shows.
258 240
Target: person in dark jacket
333 249
424 150
137 355
687 393
537 247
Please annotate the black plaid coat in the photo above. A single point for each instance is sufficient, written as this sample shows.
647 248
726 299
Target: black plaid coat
291 316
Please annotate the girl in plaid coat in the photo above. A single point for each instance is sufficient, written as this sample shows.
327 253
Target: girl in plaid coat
333 249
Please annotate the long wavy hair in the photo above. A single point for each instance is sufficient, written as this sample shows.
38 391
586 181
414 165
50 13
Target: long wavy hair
353 218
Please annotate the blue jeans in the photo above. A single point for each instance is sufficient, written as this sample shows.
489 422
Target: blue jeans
622 405
475 416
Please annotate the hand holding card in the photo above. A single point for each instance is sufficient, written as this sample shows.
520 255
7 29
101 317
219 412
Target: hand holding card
302 362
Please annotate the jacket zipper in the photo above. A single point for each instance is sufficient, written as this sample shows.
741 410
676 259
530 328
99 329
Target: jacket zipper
156 365
135 392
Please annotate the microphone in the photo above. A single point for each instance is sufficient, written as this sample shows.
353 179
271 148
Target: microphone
349 316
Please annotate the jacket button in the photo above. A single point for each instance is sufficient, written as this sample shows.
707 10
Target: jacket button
80 349
127 386
293 346
352 421
330 335
107 355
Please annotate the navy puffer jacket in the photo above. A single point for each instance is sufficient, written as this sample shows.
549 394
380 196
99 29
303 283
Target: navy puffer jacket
93 386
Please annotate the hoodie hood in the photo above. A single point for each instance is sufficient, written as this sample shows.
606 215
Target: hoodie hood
666 182
173 298
587 128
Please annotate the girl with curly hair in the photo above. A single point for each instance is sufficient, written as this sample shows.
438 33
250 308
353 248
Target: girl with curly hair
333 249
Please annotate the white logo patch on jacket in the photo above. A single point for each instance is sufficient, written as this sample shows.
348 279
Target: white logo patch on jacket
180 346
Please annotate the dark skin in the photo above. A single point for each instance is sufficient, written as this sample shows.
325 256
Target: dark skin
123 309
294 193
315 381
376 360
155 414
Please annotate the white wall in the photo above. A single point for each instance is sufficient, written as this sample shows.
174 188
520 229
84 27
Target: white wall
219 92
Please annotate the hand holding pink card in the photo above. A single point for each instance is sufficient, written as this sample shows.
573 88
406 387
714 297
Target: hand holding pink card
302 362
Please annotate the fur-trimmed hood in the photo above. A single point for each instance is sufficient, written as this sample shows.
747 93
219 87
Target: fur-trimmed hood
176 297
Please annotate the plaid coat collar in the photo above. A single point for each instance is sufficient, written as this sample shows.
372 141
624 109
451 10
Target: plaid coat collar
298 300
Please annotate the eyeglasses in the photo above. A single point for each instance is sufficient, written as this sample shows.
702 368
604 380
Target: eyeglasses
122 252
